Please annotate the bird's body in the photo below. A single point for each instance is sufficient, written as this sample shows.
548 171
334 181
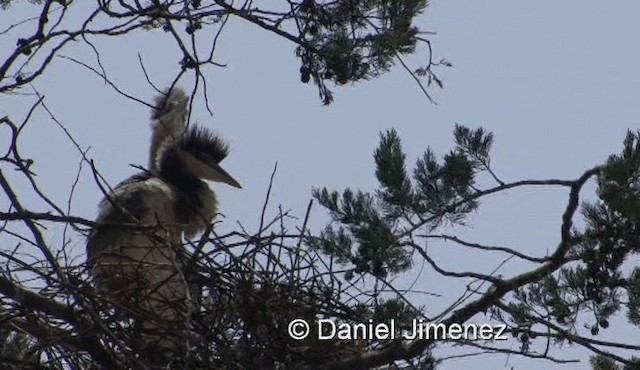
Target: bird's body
142 269
143 199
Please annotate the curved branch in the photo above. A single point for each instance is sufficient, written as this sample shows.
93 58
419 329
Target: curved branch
403 351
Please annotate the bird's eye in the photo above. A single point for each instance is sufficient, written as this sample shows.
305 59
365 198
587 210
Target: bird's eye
206 158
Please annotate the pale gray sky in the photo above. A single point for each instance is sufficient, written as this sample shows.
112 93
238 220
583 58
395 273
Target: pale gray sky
556 82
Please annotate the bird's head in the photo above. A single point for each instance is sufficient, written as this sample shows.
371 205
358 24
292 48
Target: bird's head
201 152
169 122
168 103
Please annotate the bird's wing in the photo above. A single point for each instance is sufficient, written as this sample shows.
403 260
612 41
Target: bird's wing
141 199
139 267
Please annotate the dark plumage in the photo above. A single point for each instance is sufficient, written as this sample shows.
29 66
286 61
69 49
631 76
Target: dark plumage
205 145
191 190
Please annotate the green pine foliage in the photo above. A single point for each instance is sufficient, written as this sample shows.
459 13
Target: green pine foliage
594 281
604 363
373 233
371 229
350 40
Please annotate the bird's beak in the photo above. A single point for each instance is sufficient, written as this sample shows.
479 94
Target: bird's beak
220 175
209 171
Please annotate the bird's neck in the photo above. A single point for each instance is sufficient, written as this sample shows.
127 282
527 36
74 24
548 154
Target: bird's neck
188 187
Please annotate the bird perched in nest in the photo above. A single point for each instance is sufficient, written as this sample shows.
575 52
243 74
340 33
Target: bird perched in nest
139 266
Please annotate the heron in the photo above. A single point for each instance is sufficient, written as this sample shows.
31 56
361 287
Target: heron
140 268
